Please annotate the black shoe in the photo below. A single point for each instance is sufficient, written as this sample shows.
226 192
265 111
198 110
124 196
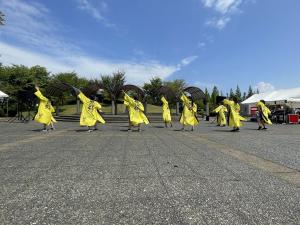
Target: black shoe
265 128
259 128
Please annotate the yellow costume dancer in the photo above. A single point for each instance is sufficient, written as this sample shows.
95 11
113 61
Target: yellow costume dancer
263 115
234 114
89 114
136 112
221 110
166 112
45 110
188 115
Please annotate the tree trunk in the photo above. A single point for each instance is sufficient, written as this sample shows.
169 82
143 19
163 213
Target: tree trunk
77 106
57 110
207 111
116 108
177 108
113 107
145 107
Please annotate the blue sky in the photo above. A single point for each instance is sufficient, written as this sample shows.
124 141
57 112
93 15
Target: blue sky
205 42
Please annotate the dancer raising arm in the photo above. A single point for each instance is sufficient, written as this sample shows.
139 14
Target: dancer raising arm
234 114
45 110
263 115
136 112
90 111
189 113
166 112
221 118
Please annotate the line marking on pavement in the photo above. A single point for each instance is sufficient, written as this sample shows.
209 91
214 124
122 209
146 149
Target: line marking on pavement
34 138
288 174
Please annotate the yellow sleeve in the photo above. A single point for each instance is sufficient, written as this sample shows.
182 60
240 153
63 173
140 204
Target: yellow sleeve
185 100
228 102
83 98
140 106
216 110
164 100
98 105
52 108
129 100
126 103
39 94
194 108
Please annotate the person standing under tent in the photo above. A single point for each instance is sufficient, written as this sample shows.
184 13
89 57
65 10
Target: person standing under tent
221 118
166 112
136 112
234 114
45 110
263 115
90 111
189 113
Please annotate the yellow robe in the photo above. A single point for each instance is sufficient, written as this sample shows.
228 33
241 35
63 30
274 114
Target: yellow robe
166 110
188 115
45 110
136 111
89 113
234 114
265 112
221 115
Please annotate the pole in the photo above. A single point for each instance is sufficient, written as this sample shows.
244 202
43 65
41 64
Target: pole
207 111
77 106
177 108
7 107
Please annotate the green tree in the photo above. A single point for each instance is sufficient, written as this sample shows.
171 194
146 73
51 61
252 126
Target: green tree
112 86
213 97
244 96
177 86
231 93
16 78
207 95
238 93
70 78
250 92
151 90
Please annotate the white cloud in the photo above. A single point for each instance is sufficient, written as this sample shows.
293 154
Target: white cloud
96 12
188 60
264 87
33 25
136 72
225 9
219 23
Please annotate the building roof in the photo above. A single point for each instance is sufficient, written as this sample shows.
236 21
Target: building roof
288 95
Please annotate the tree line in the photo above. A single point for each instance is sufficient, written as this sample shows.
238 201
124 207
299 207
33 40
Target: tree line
16 78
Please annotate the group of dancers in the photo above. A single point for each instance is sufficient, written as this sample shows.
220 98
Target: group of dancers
91 109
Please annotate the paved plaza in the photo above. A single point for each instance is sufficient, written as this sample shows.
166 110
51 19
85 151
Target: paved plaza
157 176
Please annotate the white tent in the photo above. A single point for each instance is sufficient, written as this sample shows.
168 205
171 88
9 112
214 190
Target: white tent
280 96
3 95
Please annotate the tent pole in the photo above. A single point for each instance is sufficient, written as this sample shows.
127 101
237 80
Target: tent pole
7 107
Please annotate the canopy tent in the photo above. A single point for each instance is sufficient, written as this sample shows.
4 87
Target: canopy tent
3 95
284 95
